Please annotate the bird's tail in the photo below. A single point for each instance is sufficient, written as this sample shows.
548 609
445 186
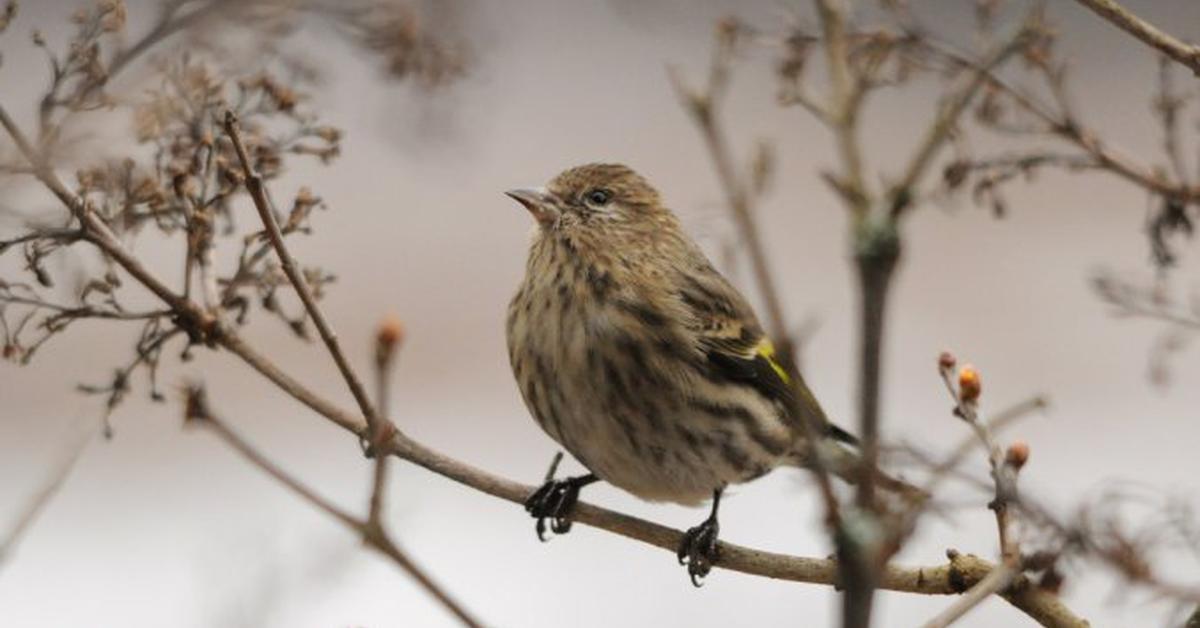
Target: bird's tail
847 464
837 457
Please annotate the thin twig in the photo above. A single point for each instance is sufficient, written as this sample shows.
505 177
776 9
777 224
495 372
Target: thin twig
844 106
373 535
1068 128
1004 474
38 501
254 184
998 422
1126 20
996 581
387 342
948 116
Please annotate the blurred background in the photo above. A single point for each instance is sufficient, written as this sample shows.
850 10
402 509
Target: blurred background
162 526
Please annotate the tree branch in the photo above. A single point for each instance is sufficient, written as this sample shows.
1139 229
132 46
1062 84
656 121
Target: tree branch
254 184
1124 19
996 581
38 501
372 532
1068 128
948 115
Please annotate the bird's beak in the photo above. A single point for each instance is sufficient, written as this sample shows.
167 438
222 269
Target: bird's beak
538 202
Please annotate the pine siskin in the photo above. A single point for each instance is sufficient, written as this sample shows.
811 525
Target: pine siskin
640 359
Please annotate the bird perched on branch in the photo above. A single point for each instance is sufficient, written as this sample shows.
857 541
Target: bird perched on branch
637 356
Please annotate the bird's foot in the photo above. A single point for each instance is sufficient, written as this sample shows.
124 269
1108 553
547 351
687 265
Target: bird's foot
553 502
698 549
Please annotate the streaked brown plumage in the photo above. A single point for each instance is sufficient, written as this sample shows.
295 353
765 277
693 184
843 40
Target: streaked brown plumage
637 356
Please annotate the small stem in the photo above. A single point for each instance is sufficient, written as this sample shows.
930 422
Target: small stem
53 482
257 459
254 184
1124 19
948 115
373 533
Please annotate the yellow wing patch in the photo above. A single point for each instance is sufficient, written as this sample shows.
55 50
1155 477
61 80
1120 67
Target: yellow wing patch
767 350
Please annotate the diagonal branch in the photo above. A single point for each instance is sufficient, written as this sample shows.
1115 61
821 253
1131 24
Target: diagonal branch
197 410
1126 20
996 581
962 572
1065 126
254 184
53 482
948 116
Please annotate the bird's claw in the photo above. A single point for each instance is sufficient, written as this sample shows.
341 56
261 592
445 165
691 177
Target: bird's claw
698 550
554 502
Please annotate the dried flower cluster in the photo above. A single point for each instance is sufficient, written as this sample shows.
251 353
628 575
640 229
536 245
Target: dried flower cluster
189 179
396 34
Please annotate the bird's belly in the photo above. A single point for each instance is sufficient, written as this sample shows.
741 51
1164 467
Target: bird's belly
640 433
629 412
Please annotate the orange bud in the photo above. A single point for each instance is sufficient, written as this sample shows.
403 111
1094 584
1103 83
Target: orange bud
391 331
1017 454
969 385
388 337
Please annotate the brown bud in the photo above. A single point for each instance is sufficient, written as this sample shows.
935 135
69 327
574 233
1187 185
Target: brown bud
969 386
1051 581
195 404
946 361
1017 454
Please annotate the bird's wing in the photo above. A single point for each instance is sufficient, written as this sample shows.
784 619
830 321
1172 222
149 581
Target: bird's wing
735 346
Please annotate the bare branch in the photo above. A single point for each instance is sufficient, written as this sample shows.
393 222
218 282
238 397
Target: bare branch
1004 468
388 339
1124 19
197 410
996 581
63 466
949 112
845 103
961 573
254 185
1067 127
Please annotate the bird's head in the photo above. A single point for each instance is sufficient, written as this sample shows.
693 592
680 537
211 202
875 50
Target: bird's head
609 197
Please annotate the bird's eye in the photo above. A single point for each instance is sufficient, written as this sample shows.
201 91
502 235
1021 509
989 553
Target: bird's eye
599 197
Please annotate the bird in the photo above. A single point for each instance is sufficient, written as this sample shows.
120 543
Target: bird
639 358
